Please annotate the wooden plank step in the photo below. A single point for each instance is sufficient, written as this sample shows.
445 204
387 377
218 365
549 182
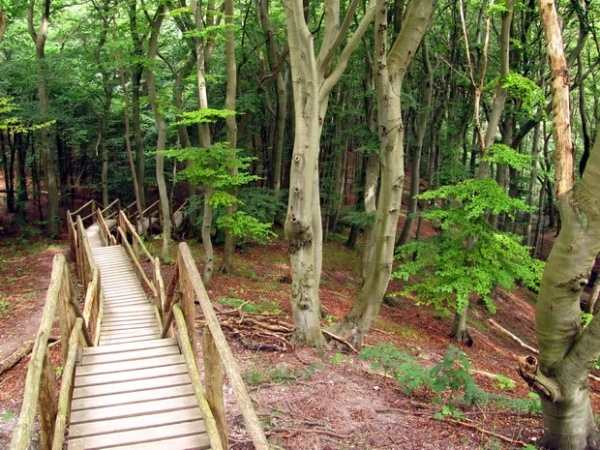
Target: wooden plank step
168 437
124 366
127 301
112 334
134 423
128 356
124 398
128 296
155 343
128 325
127 309
130 375
116 340
132 386
114 320
129 410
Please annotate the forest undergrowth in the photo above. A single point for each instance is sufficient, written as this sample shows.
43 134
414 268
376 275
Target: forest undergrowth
410 387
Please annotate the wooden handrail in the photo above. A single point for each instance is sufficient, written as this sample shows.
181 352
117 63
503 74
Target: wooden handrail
188 266
39 384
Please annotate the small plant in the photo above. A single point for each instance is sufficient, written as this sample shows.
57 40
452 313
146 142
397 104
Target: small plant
4 304
450 380
504 382
58 371
7 415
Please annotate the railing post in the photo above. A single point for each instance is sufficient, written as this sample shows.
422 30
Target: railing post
213 381
47 402
187 303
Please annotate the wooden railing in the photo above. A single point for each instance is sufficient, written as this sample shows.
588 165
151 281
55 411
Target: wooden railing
39 384
187 285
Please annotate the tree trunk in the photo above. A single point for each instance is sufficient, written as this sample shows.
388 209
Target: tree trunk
567 353
48 164
204 136
391 69
229 246
416 162
162 134
313 78
275 64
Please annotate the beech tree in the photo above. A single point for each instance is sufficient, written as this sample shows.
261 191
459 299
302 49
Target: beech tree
391 66
313 77
567 349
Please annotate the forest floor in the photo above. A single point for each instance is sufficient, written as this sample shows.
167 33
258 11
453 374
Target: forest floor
310 398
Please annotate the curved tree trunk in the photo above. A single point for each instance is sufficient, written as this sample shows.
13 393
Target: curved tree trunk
391 69
567 353
313 78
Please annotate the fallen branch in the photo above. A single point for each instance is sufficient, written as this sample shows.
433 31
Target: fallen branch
339 339
16 356
524 345
512 336
490 433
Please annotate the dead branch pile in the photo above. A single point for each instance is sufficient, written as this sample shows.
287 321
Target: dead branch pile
255 331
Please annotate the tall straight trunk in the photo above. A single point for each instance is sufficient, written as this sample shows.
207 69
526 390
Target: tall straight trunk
567 353
486 138
204 138
275 64
391 68
162 133
229 246
313 78
416 162
137 70
48 164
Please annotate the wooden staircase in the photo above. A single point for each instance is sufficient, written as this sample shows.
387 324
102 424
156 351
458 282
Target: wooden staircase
133 391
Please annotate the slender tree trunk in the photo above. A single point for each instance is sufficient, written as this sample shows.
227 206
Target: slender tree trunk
48 164
391 69
275 64
229 246
416 162
204 137
162 133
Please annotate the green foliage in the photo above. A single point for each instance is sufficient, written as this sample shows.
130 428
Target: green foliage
7 415
522 88
261 306
504 382
503 154
204 115
449 380
210 167
246 228
4 304
469 255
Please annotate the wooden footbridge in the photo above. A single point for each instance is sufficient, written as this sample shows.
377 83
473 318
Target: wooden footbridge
130 376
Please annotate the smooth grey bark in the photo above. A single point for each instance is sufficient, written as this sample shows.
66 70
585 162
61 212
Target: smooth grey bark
567 352
416 162
161 125
313 78
391 67
229 245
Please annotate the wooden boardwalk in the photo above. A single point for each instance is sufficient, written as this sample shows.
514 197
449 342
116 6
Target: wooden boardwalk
133 391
